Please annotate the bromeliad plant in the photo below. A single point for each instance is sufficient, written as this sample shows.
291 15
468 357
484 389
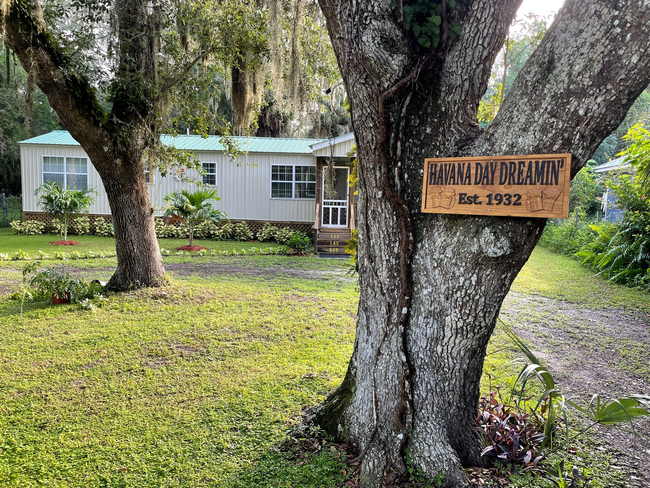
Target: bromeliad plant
193 208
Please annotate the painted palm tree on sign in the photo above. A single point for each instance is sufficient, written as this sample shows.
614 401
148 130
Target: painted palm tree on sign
193 207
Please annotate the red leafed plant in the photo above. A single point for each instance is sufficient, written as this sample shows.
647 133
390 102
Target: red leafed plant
510 436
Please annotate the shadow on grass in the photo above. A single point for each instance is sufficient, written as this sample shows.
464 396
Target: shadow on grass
293 467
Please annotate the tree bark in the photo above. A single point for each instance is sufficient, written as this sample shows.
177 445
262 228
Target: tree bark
431 286
114 142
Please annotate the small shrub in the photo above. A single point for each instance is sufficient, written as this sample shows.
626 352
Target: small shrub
299 242
267 233
206 230
80 225
283 235
178 230
241 232
225 232
27 228
567 238
104 228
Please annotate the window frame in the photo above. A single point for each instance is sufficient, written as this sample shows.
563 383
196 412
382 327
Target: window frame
65 172
293 182
203 163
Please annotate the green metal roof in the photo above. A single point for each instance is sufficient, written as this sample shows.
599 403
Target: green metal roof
198 143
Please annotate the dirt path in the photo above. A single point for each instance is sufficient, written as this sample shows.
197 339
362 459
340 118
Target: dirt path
592 351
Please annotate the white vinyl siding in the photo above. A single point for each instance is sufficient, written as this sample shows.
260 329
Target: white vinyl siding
295 182
68 172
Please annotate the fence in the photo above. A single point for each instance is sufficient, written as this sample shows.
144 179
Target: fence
12 209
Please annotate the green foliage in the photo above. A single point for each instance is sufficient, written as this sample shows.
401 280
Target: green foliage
104 227
585 192
241 232
80 225
226 232
267 233
203 230
638 153
57 282
423 19
617 142
490 103
569 236
524 36
194 207
623 256
62 204
416 477
177 230
27 228
283 235
298 242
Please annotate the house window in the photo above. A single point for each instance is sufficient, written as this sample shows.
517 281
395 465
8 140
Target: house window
210 174
68 173
293 181
147 174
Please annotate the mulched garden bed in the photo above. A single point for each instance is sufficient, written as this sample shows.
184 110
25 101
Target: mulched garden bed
191 248
65 243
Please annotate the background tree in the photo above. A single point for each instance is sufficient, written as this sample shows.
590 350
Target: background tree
431 286
145 56
24 113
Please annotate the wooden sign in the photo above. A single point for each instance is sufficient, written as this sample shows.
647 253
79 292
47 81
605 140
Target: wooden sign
514 186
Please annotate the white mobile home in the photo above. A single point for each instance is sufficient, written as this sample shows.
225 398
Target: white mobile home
275 180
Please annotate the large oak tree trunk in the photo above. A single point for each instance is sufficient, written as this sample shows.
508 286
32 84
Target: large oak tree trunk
431 286
115 142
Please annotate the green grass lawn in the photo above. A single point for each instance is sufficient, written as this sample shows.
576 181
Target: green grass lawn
198 383
181 386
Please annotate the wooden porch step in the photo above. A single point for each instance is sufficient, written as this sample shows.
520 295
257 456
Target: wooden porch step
332 241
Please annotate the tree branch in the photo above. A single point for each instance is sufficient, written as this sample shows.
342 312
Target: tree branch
69 94
594 55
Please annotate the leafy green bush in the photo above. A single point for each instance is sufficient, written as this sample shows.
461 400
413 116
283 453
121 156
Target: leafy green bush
27 228
206 230
299 242
104 228
57 282
267 233
80 225
225 232
623 254
568 237
283 235
241 232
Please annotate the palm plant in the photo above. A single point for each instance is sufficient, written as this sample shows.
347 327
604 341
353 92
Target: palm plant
62 204
193 207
